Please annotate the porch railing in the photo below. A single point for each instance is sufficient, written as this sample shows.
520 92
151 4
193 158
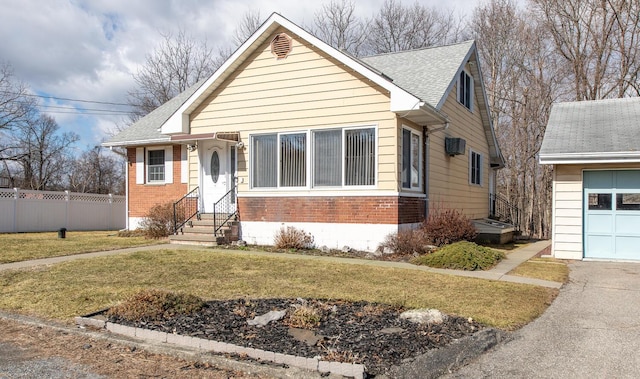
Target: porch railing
502 210
185 209
224 210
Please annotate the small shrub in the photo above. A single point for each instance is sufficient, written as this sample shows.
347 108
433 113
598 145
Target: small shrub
158 223
407 242
448 226
154 304
462 256
293 238
304 316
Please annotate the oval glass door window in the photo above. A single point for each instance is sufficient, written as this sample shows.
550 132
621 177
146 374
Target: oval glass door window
215 166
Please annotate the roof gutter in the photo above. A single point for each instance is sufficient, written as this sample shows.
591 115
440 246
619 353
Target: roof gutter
432 111
137 143
590 158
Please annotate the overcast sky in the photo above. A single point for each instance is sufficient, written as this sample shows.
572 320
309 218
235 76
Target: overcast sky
89 49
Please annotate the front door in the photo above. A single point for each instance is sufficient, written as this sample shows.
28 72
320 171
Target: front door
217 164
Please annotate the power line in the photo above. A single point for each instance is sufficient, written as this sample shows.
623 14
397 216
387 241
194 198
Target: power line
81 110
67 99
92 113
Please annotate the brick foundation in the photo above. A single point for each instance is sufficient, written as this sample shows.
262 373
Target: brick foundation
338 209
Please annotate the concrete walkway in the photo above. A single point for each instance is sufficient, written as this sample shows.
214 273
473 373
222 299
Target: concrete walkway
500 272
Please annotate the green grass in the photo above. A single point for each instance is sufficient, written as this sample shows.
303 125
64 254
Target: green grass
79 287
16 247
543 268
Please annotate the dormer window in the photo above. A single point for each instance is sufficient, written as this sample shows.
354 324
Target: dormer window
465 90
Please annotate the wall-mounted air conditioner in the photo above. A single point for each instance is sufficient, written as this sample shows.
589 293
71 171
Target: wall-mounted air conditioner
454 146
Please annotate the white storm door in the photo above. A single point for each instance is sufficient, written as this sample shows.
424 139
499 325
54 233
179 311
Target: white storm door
215 173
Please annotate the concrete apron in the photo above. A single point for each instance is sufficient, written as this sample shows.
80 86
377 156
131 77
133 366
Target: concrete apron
590 330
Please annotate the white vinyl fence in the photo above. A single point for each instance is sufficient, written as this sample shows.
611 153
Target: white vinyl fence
45 211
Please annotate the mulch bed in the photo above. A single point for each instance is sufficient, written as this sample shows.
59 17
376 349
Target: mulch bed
354 332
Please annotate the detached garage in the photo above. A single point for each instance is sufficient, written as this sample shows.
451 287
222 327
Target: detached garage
595 149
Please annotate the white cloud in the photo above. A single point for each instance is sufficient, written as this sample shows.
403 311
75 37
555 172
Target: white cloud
88 49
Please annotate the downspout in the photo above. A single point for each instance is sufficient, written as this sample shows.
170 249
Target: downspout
126 194
425 138
126 184
425 177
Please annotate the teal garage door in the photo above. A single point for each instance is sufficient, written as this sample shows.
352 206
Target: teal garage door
612 214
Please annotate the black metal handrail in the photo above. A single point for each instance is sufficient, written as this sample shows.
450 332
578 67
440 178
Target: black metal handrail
185 209
224 210
501 209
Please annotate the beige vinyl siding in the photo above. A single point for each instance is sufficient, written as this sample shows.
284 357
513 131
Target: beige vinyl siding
306 91
194 174
568 212
449 185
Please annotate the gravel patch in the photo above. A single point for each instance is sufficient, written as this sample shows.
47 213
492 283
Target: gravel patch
21 363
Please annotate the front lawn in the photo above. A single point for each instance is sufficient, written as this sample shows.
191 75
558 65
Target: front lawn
79 287
543 268
16 247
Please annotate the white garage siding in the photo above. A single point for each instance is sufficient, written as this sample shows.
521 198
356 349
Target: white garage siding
567 217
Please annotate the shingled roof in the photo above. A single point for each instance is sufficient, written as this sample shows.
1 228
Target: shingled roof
426 73
596 131
147 129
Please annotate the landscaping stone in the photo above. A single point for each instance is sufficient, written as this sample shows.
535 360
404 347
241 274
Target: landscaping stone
267 318
424 316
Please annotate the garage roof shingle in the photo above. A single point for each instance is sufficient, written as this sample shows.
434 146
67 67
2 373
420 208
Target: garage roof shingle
587 131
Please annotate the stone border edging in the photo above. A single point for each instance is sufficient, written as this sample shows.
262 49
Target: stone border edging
314 364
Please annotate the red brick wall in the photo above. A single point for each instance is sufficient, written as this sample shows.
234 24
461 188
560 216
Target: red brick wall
340 209
143 197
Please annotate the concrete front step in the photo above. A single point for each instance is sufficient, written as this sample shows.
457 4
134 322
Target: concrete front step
200 229
197 239
201 232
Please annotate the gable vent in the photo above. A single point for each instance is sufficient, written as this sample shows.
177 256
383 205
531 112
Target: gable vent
281 46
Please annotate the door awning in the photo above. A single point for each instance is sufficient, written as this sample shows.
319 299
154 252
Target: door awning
221 136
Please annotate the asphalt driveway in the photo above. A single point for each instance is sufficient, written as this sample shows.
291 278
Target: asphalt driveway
592 330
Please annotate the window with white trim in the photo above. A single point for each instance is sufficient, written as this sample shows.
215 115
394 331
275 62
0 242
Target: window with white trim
293 161
359 157
334 158
465 90
475 168
411 159
155 166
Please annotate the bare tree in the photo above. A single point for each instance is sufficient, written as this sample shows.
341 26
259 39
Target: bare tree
521 79
600 42
176 64
336 24
249 23
16 105
97 171
42 153
397 27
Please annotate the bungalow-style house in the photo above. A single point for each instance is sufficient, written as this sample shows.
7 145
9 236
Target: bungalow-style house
290 131
595 149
